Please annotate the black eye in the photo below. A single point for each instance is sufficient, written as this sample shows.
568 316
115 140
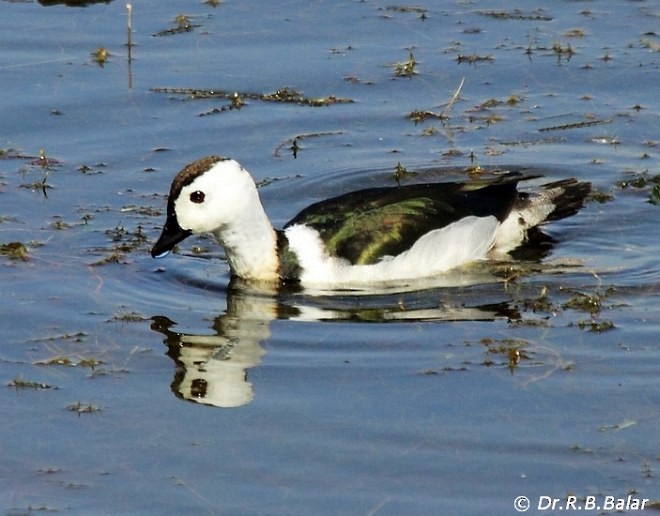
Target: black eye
197 197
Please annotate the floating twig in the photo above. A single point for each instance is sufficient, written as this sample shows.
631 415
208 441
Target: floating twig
575 125
292 143
455 96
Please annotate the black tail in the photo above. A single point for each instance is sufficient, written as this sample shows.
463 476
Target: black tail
568 196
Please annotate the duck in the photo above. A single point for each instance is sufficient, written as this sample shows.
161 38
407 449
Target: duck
381 235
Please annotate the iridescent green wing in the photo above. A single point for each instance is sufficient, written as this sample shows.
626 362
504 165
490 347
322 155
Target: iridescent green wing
378 229
365 226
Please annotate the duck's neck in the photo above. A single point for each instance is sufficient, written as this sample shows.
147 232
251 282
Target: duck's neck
250 244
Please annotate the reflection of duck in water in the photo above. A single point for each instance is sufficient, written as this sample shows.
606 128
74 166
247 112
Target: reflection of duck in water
363 238
213 369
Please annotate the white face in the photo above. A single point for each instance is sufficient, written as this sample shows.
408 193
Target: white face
215 198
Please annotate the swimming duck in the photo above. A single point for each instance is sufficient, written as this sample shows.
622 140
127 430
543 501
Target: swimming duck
367 237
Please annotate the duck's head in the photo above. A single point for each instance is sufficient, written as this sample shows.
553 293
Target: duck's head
205 196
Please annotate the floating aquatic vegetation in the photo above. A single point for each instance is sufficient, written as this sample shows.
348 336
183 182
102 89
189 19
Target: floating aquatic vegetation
576 125
182 24
42 163
59 360
100 56
59 224
341 50
517 14
356 80
90 170
14 154
600 196
237 99
125 241
645 182
419 116
89 362
595 326
473 58
73 3
20 383
62 360
72 337
293 145
406 68
83 408
14 251
513 350
291 96
560 51
407 9
114 257
654 196
400 172
429 131
39 184
129 317
575 33
590 303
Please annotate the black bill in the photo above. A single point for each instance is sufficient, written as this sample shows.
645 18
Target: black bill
172 234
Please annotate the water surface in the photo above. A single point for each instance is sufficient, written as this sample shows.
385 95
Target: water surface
135 386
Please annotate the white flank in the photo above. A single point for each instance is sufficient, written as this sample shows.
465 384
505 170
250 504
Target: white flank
460 243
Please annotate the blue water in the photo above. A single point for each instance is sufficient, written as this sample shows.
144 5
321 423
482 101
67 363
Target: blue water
450 398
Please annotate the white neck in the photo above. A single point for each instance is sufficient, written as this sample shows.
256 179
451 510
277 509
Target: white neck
223 200
250 243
